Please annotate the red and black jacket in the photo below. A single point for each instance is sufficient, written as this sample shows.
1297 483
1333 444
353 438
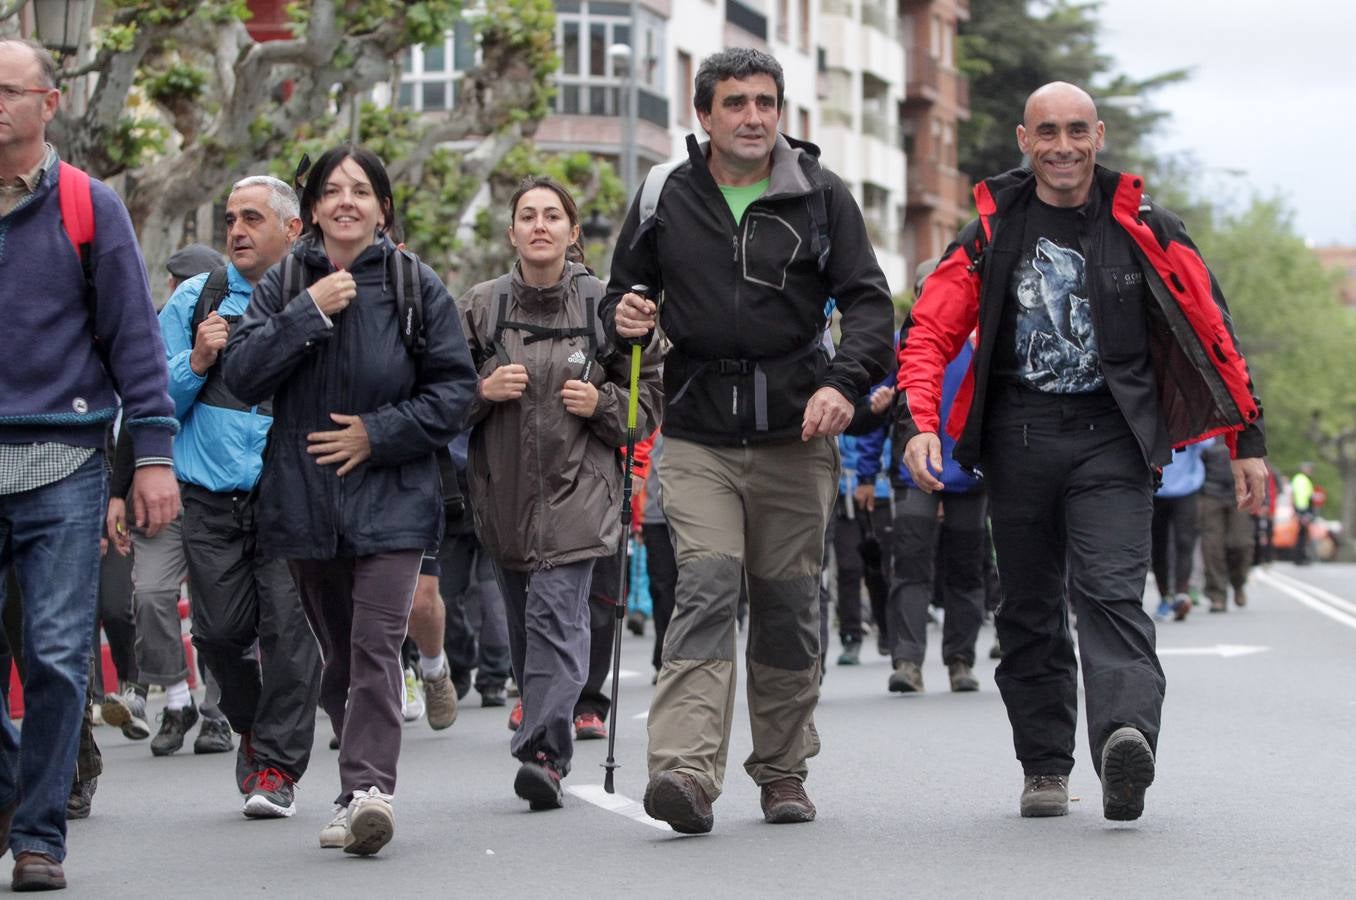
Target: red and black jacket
1169 353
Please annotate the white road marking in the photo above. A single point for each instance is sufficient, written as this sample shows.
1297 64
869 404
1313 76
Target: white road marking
1316 592
617 803
642 715
1307 599
1224 651
624 674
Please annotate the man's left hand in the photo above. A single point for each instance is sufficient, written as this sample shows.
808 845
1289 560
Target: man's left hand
155 498
1250 483
826 415
346 447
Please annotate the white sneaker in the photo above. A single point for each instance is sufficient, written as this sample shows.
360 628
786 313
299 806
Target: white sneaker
371 822
412 703
334 835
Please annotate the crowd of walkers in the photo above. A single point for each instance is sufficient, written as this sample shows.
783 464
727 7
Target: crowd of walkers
380 497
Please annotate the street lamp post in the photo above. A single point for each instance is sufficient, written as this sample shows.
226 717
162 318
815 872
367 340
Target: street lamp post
61 24
627 55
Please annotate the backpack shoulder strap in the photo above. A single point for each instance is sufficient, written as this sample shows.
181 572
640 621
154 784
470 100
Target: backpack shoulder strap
213 292
409 300
820 240
654 186
590 291
77 206
77 217
496 312
293 277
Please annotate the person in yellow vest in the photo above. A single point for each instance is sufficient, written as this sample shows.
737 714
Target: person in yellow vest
1302 498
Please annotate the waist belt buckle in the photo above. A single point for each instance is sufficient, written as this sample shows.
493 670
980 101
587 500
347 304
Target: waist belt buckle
735 366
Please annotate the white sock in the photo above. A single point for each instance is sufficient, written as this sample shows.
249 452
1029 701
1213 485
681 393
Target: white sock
177 696
432 668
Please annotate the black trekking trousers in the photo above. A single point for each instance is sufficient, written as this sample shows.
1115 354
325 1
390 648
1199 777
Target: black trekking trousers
241 596
1071 501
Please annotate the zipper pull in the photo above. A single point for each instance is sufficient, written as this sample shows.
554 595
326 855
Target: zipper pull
734 242
1025 443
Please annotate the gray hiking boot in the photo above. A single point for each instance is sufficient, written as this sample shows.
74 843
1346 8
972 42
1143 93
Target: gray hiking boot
1127 772
440 700
963 678
1045 795
907 678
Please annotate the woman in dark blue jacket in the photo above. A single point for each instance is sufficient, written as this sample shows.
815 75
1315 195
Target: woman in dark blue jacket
349 493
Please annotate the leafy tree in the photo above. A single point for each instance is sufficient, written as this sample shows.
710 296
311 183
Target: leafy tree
1298 338
1011 47
186 102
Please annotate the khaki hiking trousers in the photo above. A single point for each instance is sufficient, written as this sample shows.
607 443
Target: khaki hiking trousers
757 512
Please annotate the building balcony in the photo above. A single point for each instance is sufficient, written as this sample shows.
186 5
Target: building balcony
925 185
924 83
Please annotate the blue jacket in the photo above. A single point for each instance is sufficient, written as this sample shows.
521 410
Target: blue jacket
220 444
53 385
1185 475
955 479
850 448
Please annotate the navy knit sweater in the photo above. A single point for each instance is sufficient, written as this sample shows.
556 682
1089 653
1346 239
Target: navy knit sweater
53 386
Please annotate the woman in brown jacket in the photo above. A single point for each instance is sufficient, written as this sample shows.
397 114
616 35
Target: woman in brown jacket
544 472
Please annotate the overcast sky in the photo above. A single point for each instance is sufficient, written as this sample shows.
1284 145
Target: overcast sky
1272 93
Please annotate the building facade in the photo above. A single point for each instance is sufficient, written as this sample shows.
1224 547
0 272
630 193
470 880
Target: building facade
937 98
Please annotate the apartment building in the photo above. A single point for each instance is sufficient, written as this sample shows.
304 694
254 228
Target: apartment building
936 98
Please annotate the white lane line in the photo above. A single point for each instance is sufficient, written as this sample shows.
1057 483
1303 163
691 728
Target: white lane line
1224 651
1319 593
1308 600
616 803
642 715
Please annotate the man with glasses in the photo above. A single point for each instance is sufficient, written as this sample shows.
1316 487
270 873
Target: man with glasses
65 365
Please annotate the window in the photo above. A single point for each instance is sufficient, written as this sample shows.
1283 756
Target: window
805 25
431 72
784 20
685 76
804 124
935 38
590 81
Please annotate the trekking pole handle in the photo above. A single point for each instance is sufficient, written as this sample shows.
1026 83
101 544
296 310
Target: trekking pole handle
633 400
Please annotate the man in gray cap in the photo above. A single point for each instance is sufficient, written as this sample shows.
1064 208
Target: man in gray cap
195 259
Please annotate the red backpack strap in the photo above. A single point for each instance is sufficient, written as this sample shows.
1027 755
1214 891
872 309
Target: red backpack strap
77 207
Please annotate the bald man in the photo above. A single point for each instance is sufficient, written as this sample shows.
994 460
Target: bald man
1104 342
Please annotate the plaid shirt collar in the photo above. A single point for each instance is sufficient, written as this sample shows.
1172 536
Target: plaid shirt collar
28 182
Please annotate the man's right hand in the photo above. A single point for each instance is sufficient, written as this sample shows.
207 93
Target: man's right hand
212 333
504 383
923 456
119 538
333 293
635 316
155 498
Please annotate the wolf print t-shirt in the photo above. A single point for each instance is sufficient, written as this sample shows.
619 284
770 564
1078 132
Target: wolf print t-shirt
1046 341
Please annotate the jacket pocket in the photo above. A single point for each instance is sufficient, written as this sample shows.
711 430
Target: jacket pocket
770 247
790 384
1123 333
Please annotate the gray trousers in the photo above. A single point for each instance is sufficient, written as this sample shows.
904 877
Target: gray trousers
760 510
548 630
912 585
359 609
159 566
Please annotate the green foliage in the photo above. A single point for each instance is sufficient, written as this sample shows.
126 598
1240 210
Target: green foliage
179 82
524 30
1011 47
135 140
1298 337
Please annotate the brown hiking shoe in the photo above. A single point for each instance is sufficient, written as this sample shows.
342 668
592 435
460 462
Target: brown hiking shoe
1045 795
37 872
784 802
677 798
907 678
963 679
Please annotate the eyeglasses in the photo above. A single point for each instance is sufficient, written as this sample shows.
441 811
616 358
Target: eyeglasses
13 93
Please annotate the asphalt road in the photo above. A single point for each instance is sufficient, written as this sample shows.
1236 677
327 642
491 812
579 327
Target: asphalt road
916 795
